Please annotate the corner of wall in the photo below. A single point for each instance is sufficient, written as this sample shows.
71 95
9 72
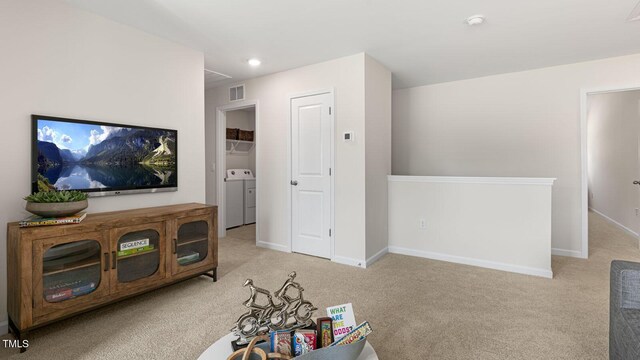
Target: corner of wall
377 156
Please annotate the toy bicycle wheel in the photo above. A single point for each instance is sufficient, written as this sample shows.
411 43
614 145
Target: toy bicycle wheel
248 325
304 312
278 321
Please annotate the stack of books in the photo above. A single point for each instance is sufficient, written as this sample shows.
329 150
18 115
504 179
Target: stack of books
67 290
35 220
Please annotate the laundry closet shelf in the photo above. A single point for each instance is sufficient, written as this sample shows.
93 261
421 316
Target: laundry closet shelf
239 147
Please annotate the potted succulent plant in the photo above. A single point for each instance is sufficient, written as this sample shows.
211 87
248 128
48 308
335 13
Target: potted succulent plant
56 203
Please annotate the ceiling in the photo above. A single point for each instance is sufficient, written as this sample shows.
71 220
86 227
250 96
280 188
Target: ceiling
420 41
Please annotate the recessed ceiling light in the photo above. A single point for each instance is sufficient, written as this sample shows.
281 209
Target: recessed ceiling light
254 62
475 20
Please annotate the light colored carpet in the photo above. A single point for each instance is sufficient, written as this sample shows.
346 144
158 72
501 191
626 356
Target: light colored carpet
419 309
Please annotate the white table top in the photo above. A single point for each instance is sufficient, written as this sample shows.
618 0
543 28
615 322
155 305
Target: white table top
222 348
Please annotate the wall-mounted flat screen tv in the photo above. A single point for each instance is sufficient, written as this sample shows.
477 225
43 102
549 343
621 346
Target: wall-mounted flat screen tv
102 158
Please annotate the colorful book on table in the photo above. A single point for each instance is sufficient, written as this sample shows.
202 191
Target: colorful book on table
35 220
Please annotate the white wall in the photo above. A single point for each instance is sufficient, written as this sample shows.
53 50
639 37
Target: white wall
61 61
378 155
613 129
346 76
244 120
362 105
498 223
519 124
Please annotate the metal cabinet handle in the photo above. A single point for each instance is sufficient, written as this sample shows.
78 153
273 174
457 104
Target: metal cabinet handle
106 261
175 245
294 182
113 260
636 182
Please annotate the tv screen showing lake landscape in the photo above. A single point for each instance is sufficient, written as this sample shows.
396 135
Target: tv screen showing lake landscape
100 157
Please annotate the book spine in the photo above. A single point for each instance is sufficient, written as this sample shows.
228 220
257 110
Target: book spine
82 290
49 222
135 251
135 244
62 294
357 334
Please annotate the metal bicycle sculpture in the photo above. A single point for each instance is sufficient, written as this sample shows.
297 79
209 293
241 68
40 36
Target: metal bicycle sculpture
285 313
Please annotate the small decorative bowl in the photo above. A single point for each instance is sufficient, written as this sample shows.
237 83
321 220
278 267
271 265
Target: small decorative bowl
56 209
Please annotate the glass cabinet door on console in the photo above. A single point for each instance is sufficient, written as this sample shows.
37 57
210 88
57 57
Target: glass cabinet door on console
190 244
137 256
69 271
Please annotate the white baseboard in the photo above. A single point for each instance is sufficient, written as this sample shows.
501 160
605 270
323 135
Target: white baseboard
4 327
349 261
565 252
272 246
626 229
376 256
547 273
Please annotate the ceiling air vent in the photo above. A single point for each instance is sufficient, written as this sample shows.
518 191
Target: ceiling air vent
236 93
635 14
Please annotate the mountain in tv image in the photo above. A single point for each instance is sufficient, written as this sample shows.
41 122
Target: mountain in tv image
98 157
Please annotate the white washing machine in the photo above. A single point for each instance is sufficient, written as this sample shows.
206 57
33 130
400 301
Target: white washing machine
240 197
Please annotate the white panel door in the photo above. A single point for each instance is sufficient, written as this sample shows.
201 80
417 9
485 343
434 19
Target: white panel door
310 170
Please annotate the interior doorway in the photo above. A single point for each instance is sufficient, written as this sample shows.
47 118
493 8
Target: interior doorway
240 175
611 160
237 168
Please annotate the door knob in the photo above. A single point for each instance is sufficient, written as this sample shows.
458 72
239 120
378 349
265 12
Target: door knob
294 182
637 182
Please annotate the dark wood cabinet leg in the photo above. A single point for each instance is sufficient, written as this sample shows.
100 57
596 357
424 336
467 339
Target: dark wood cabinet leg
13 329
213 275
23 336
18 334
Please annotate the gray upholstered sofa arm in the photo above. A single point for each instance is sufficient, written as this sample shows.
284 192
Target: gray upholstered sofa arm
624 316
625 284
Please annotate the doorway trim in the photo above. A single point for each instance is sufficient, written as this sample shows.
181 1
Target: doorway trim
221 160
332 156
584 112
